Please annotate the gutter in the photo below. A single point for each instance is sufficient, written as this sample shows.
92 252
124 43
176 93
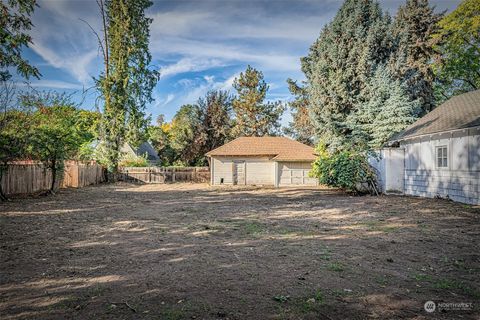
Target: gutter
433 133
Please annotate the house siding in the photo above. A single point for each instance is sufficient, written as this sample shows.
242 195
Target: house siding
460 181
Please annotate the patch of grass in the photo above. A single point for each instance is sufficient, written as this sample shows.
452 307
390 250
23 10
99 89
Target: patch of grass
336 266
381 280
173 314
281 298
449 284
326 254
253 228
310 303
378 226
422 277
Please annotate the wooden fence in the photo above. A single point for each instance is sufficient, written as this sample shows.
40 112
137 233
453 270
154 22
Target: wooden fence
165 174
81 174
30 178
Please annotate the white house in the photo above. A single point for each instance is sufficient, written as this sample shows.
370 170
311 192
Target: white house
275 161
439 154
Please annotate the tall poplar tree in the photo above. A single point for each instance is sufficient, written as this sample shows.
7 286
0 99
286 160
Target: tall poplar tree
339 64
253 115
127 81
414 50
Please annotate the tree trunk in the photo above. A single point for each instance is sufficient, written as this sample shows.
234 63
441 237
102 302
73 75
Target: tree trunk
3 196
54 176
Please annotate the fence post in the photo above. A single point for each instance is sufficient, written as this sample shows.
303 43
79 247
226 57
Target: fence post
149 175
173 175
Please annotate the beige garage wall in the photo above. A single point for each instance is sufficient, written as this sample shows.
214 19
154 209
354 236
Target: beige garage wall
221 168
258 170
295 173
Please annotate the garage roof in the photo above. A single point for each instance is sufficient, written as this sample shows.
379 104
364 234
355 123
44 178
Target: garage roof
280 148
459 112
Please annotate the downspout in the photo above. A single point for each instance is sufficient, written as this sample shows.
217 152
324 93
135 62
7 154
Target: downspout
276 175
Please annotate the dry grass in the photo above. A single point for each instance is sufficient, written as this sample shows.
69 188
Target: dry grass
186 251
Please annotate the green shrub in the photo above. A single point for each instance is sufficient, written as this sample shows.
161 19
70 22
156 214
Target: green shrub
347 169
134 161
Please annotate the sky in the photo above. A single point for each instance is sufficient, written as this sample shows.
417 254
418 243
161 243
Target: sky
196 45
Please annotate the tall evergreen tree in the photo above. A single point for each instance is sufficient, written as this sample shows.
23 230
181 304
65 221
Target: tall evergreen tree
254 116
413 52
301 128
386 110
339 64
216 122
127 82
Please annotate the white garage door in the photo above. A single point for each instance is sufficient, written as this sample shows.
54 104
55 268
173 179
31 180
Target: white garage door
260 172
295 174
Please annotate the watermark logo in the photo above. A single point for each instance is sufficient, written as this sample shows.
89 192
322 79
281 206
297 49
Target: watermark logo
429 306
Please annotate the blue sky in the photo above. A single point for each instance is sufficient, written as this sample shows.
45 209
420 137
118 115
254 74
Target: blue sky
196 45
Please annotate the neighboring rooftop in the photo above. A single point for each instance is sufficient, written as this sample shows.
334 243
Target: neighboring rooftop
460 112
280 148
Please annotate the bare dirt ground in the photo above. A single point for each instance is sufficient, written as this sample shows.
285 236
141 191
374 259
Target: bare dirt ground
188 251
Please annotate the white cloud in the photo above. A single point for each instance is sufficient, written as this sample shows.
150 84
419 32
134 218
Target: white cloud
190 65
55 84
169 98
226 54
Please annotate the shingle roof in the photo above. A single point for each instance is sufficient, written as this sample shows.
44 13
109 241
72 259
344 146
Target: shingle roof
147 149
460 112
280 148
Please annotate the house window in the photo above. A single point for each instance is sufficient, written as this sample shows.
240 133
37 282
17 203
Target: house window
442 157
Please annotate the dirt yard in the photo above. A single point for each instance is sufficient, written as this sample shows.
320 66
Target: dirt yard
187 251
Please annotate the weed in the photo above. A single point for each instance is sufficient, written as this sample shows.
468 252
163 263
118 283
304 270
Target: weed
281 298
422 277
381 280
377 226
173 314
310 303
326 255
336 266
253 228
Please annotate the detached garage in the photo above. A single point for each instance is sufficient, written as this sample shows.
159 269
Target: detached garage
275 161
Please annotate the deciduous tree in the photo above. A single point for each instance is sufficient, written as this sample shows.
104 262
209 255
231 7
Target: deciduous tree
128 80
458 64
215 120
15 22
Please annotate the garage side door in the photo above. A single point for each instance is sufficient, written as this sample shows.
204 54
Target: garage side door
260 172
295 174
222 171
